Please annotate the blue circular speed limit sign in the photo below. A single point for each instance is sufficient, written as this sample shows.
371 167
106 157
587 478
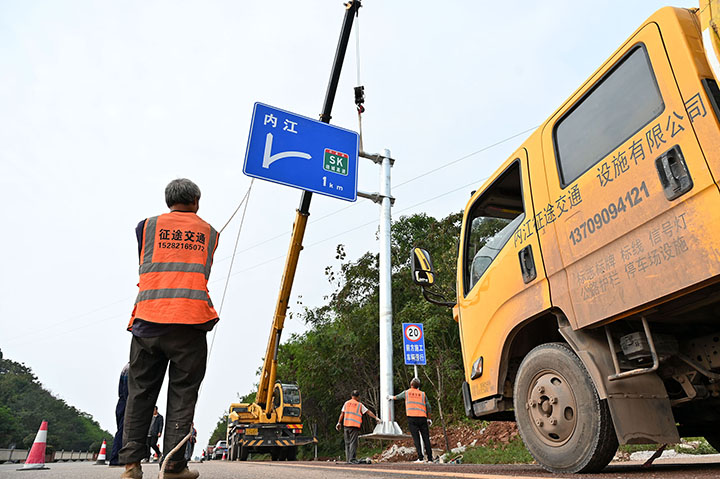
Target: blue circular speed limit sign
413 333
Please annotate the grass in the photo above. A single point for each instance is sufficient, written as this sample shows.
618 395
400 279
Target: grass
513 452
703 448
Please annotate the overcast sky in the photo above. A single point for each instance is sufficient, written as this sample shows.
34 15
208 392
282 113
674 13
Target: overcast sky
103 103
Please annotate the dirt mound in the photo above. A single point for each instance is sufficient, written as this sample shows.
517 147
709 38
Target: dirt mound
460 436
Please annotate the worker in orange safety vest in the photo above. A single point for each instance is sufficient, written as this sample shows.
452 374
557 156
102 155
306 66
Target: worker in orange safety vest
172 315
417 408
351 418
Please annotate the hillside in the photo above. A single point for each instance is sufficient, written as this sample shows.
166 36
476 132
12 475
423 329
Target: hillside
24 404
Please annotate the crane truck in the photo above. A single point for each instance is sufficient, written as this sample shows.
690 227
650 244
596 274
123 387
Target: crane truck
588 269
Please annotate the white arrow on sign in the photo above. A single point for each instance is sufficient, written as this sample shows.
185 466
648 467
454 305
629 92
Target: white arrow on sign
269 159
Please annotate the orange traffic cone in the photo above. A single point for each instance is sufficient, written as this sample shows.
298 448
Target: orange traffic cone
36 458
101 457
224 456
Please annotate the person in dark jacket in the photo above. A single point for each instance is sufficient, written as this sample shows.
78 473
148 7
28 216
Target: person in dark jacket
120 415
154 433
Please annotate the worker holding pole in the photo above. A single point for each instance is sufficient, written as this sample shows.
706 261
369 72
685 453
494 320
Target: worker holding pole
351 419
417 408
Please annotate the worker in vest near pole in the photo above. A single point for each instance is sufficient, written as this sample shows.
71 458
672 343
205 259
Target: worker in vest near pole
172 314
351 418
417 409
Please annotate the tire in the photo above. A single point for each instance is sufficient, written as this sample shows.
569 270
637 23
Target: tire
292 453
275 453
233 450
244 453
562 421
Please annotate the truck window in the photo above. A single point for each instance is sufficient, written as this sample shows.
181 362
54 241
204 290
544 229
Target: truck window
493 219
622 102
291 395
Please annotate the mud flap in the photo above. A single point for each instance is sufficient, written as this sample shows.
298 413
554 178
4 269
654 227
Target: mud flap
639 405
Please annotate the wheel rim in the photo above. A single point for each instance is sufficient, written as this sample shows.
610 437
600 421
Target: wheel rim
552 407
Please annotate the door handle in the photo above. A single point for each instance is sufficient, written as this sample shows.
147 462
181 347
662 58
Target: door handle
527 264
673 172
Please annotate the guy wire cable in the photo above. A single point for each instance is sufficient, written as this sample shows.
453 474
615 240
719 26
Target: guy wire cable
245 200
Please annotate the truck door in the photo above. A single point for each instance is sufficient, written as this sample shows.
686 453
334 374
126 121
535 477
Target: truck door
501 276
632 199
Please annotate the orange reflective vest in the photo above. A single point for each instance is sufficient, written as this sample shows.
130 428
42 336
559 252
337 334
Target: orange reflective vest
353 413
415 403
175 261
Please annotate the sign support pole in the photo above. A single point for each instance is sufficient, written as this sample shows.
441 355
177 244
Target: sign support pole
388 425
388 428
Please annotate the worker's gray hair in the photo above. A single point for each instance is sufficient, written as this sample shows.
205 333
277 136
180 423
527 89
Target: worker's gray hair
415 383
181 191
355 393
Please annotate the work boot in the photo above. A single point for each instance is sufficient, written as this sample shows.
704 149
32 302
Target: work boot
135 472
182 474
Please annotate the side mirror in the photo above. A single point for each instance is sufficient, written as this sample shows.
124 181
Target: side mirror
423 273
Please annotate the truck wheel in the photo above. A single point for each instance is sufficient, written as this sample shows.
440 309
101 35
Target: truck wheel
244 453
232 450
562 421
292 453
275 453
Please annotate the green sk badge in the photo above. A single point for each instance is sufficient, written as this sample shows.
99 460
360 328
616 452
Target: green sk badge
336 162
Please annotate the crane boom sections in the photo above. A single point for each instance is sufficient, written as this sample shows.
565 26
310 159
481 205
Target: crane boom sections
269 370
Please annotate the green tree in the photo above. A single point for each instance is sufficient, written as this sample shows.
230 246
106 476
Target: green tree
339 352
24 404
220 432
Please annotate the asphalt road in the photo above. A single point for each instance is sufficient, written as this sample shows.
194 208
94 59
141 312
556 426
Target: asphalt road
701 467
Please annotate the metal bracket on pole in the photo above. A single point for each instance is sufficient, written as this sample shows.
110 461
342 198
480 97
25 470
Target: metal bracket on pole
376 158
375 197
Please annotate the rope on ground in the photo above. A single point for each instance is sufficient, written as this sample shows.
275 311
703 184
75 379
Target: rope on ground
245 201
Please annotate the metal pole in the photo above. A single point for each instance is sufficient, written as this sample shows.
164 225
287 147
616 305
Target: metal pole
386 376
415 368
387 413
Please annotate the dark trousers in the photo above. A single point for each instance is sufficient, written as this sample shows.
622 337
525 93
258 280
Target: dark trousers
185 350
418 426
152 446
351 442
117 441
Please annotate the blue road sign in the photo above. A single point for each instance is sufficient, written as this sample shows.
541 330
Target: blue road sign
414 344
301 152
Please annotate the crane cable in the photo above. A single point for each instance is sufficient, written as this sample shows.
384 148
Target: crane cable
245 200
359 90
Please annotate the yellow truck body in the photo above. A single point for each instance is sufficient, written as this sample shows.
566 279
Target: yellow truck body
588 274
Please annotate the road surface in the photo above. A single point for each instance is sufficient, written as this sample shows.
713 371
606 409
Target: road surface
701 467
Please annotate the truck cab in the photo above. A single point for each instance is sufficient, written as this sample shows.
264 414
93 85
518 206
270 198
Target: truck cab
251 430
